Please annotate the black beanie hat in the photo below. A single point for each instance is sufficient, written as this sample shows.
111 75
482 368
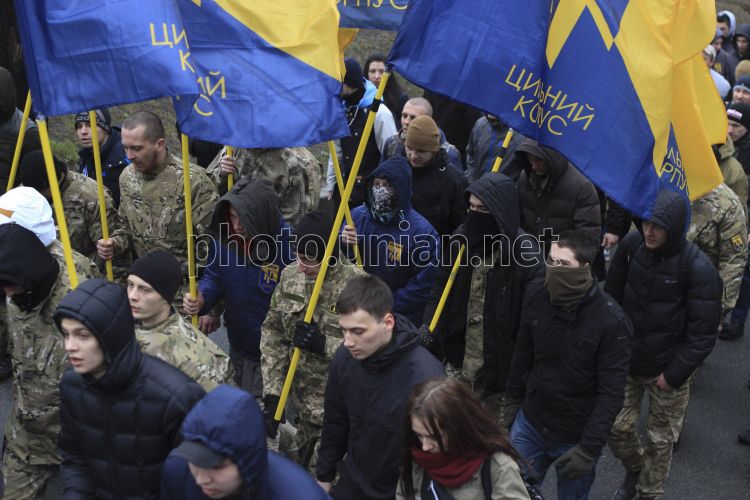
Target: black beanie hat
32 171
103 119
312 232
161 270
354 77
739 112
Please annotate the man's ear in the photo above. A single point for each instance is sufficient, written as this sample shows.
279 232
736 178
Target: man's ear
390 321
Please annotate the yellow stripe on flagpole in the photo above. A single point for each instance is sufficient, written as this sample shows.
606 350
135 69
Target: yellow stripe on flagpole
189 221
19 142
100 187
57 202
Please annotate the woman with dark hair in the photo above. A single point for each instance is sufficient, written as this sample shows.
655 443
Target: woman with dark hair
454 449
394 96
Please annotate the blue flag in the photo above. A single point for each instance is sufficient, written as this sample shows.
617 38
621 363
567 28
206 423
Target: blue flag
85 54
617 86
268 71
372 14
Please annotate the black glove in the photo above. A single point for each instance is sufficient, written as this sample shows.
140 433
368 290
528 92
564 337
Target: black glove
574 464
509 411
424 336
270 403
307 336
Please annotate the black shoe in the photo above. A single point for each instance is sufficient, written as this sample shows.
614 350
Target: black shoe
744 438
627 490
735 331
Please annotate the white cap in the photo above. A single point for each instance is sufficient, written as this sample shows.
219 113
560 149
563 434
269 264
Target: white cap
26 207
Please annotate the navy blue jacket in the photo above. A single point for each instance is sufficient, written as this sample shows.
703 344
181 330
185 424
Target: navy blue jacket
246 281
405 252
229 422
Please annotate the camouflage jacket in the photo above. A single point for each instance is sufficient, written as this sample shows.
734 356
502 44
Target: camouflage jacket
152 209
289 304
39 360
717 226
177 342
294 172
81 206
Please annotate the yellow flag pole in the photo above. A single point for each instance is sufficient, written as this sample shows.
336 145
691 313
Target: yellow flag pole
230 177
19 142
189 221
462 250
100 187
340 184
332 239
57 201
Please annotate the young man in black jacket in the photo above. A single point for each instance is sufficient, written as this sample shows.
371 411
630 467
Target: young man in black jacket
569 368
672 293
371 377
120 410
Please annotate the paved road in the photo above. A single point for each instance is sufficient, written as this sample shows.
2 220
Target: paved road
709 464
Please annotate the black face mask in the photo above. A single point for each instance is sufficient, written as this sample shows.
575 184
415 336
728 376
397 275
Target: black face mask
479 228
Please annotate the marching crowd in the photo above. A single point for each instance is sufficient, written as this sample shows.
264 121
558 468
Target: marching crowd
564 311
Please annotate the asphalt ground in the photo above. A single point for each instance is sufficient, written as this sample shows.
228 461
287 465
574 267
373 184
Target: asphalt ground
709 464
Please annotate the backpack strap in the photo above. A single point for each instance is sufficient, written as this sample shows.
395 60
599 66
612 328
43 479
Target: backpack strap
487 478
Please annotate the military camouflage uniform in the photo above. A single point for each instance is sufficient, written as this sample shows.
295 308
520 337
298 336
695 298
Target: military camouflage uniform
665 416
80 202
295 174
39 360
717 226
177 342
474 347
733 173
152 212
289 304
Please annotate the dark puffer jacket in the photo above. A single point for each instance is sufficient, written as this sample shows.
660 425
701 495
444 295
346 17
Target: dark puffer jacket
114 161
117 430
672 295
229 422
438 193
567 200
520 262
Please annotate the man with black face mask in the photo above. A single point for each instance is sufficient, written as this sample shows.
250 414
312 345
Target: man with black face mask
569 368
477 329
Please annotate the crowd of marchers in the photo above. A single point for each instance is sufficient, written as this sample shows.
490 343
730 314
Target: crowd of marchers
530 363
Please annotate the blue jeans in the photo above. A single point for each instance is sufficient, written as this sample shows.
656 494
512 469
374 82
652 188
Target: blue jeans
541 454
739 313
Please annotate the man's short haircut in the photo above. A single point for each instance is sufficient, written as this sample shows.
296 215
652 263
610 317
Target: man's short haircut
422 103
584 247
367 293
153 126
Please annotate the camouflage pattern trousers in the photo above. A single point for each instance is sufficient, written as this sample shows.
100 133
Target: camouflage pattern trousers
23 481
666 413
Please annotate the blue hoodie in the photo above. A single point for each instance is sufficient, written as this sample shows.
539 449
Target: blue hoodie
404 252
229 422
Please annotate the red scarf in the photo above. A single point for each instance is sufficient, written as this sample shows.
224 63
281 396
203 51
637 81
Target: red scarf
448 471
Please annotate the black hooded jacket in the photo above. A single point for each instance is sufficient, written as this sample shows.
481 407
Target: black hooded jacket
117 430
672 295
567 200
25 261
520 261
438 193
364 411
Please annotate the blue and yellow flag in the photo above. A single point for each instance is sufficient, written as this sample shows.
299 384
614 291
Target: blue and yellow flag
372 14
268 71
84 54
618 86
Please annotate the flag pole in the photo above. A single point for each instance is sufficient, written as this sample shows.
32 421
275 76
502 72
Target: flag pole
19 142
230 177
57 201
189 222
340 184
332 238
462 250
100 188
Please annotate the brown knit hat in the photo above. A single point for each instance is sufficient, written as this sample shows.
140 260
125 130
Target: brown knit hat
423 134
742 69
